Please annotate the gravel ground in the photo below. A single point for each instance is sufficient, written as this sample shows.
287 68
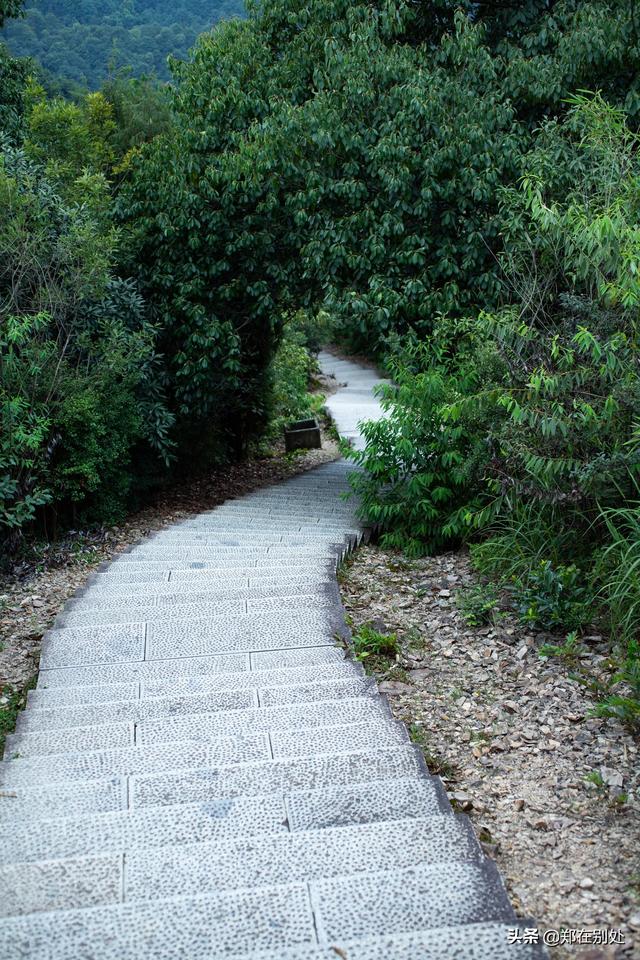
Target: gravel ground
35 591
511 735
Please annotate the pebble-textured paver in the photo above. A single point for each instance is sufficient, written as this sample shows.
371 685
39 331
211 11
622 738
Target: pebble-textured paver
203 772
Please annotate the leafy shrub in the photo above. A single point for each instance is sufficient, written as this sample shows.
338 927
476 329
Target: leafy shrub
553 597
80 386
420 480
570 651
290 371
24 426
622 700
479 604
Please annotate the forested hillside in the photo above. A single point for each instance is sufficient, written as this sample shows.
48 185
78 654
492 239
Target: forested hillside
80 40
453 186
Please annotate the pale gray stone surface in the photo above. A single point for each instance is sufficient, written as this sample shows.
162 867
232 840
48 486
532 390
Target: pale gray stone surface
297 717
365 802
135 711
178 685
441 896
141 671
478 941
338 739
59 800
43 742
266 860
63 648
309 692
197 928
99 764
59 885
43 698
274 659
303 773
201 773
122 831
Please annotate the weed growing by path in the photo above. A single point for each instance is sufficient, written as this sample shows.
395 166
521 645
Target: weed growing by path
12 701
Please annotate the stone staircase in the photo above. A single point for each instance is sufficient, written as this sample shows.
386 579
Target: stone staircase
203 773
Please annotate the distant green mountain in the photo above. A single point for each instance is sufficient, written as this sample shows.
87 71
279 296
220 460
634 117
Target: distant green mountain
81 40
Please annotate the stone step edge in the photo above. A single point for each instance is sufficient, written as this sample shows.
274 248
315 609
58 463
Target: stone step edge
355 831
173 810
338 650
336 624
232 678
369 686
385 711
431 938
380 721
321 597
485 869
201 587
125 781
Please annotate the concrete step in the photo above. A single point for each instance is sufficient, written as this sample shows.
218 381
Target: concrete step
127 761
132 573
197 928
307 524
140 710
71 646
124 593
294 677
258 861
62 800
188 786
203 666
333 513
152 609
205 587
175 746
476 941
227 925
391 902
296 717
270 860
289 599
216 820
198 552
50 743
243 537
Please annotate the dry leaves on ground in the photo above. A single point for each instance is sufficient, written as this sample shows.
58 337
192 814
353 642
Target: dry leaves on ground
512 736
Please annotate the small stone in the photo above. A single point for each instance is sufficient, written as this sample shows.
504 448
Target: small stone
395 688
587 883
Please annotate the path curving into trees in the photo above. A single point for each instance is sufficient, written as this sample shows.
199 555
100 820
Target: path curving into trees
203 772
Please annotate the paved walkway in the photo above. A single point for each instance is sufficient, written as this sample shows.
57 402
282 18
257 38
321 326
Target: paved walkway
202 774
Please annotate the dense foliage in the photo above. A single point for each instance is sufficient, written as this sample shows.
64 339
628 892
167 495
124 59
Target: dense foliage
84 41
524 434
431 176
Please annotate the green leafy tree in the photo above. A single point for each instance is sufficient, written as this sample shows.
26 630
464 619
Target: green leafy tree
13 75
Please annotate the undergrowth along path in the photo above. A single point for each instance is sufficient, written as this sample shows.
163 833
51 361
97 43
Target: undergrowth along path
203 772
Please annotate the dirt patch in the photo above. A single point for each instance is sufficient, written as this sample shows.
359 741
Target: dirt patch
35 591
553 793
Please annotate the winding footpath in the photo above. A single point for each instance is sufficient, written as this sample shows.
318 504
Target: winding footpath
202 773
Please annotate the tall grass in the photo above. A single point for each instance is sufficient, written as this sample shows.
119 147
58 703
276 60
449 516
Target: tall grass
531 533
619 572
